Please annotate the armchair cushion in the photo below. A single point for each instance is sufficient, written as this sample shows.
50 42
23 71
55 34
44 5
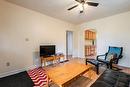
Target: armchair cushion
101 57
93 61
102 60
115 50
110 56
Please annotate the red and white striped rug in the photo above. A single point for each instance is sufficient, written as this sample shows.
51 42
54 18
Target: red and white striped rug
39 77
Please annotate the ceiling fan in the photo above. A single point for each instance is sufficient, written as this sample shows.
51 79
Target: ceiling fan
82 3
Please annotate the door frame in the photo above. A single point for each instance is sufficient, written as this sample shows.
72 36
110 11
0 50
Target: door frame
67 54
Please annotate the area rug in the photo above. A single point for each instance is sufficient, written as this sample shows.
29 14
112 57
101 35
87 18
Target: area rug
21 79
39 77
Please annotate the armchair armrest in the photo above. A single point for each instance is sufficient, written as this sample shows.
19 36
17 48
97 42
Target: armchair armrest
120 56
101 55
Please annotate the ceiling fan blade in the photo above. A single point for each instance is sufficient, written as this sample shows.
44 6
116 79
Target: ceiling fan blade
73 7
80 1
92 4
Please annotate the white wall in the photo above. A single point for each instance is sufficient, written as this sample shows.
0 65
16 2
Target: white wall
111 31
21 33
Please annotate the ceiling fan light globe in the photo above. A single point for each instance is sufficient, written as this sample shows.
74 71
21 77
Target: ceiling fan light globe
81 11
80 7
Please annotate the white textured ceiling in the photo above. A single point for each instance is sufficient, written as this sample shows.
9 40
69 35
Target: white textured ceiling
58 9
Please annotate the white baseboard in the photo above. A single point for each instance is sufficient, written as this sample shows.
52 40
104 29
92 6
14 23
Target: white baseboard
15 71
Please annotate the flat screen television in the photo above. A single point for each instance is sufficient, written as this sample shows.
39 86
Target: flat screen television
47 50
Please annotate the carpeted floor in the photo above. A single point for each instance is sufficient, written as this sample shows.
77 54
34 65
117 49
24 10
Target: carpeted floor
17 80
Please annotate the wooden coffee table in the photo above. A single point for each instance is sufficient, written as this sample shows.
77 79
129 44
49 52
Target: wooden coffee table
66 72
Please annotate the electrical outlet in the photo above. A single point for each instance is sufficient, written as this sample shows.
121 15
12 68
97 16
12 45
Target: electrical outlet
8 64
26 39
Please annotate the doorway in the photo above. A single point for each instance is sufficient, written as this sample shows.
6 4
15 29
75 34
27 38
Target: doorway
90 43
69 44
